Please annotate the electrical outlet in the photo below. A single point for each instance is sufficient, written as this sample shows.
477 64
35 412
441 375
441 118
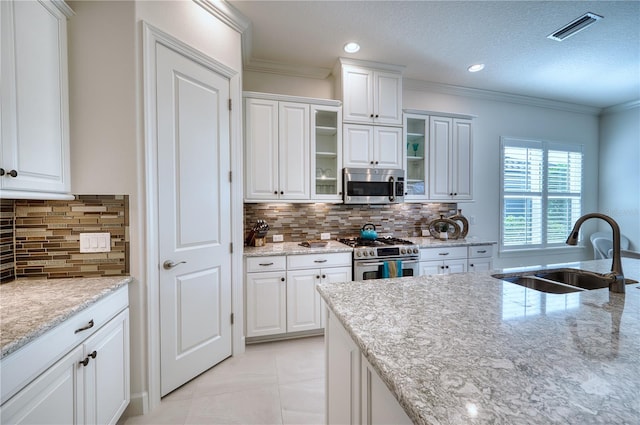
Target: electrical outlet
425 233
278 238
325 236
95 242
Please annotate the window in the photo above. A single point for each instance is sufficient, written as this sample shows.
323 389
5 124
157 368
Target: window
541 193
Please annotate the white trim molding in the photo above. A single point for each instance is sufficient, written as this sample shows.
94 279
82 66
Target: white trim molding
621 107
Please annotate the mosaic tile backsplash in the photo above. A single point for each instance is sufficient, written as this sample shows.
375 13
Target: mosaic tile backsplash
299 222
45 239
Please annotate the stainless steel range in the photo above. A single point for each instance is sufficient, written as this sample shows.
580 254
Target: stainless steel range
383 257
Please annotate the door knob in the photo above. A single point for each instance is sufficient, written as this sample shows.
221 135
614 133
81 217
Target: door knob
168 265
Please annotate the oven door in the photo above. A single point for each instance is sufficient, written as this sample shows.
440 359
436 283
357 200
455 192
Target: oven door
377 269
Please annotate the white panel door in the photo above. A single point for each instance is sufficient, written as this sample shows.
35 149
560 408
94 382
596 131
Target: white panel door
266 306
261 149
357 95
358 145
388 147
332 275
294 146
388 98
462 162
193 218
455 266
439 158
303 301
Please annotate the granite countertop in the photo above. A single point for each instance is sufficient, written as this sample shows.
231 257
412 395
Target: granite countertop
294 248
29 308
468 348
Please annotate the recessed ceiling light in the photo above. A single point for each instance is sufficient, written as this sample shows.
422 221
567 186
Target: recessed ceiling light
351 47
475 68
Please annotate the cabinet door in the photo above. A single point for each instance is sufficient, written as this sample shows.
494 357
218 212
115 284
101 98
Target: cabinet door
455 266
379 406
261 149
358 145
439 158
326 153
387 97
431 267
416 132
387 147
107 371
480 264
461 160
266 308
343 375
303 301
357 100
35 128
293 157
55 397
333 275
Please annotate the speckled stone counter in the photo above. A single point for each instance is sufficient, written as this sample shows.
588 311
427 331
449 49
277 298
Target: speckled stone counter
29 308
294 248
470 349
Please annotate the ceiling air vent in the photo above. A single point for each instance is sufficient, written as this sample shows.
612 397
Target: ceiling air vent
575 26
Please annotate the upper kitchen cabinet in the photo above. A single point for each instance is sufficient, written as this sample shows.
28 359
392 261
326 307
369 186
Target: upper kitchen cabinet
34 152
278 146
416 136
326 155
450 159
371 146
371 92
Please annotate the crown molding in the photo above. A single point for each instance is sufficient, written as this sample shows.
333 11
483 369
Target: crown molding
499 96
226 13
621 107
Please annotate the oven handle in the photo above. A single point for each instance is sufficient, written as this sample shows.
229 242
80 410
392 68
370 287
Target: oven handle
364 264
392 187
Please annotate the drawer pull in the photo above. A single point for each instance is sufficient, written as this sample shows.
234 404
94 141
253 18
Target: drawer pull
482 251
85 362
84 328
443 253
319 261
94 354
266 264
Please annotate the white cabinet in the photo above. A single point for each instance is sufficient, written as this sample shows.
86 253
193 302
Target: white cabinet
450 159
367 146
87 384
304 272
480 258
281 295
444 260
326 153
416 136
371 92
266 295
34 150
276 150
355 393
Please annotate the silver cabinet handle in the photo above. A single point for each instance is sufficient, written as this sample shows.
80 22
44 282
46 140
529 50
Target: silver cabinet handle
319 261
168 265
443 253
266 264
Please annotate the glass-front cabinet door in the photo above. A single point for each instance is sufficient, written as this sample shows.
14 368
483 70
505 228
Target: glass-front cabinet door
416 136
326 157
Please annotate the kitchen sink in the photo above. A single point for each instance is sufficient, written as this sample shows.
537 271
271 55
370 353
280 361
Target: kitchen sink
561 281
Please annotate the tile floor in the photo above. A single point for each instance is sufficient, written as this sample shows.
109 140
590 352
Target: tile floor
271 383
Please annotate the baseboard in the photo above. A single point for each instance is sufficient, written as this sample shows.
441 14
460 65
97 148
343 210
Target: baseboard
138 405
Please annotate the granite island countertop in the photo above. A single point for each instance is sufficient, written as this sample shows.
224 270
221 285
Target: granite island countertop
29 308
467 348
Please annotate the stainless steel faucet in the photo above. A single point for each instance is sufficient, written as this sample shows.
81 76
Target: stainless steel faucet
617 282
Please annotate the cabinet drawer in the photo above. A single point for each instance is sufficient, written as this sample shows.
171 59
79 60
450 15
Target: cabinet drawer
481 251
22 366
444 253
263 264
313 261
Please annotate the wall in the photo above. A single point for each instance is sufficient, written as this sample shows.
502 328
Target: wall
107 123
300 222
619 192
496 115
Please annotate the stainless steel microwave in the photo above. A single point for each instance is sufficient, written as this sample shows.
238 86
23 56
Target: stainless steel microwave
372 186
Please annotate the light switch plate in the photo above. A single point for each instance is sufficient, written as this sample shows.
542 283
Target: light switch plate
325 236
95 242
425 233
278 238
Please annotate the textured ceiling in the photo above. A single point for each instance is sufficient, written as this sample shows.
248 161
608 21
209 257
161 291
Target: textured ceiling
438 40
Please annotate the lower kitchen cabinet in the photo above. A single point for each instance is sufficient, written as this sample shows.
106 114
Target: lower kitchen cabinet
354 392
444 260
283 298
88 385
480 258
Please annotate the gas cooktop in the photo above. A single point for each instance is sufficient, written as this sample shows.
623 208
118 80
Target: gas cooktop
383 241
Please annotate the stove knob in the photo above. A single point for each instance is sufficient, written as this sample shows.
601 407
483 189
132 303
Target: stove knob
358 254
403 251
372 254
365 253
415 250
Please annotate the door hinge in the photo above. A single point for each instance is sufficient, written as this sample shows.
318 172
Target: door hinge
230 176
232 318
231 248
229 104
